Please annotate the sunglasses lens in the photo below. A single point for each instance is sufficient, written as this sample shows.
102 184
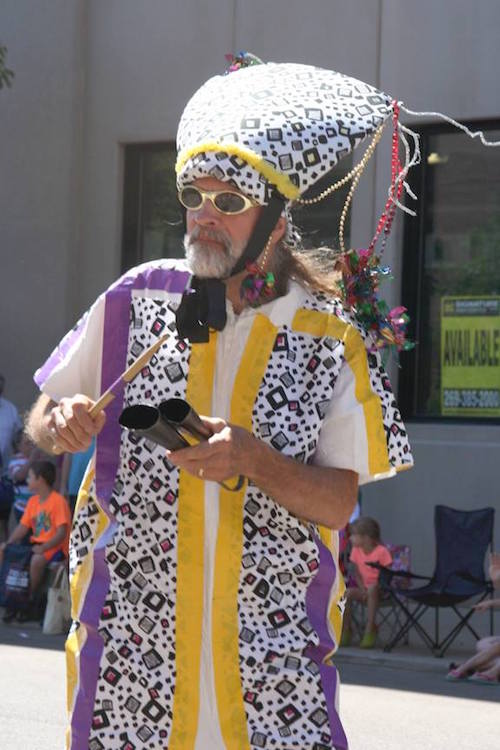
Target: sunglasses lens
190 197
229 203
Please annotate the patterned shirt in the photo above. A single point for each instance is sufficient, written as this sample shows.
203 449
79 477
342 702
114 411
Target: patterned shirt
209 617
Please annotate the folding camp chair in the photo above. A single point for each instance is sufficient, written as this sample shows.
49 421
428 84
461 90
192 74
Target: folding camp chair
462 540
389 618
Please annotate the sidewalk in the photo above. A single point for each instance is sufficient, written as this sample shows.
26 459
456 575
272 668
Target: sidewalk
404 657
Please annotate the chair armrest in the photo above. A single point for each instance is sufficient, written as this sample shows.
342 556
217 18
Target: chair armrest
465 576
387 574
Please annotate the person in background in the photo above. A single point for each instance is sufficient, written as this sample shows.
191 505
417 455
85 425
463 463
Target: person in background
366 548
25 452
484 666
48 518
73 470
10 424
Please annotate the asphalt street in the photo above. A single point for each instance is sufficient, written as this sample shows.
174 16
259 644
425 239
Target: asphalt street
383 707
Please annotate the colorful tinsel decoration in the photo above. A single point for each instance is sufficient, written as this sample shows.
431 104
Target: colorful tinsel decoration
257 284
361 276
240 60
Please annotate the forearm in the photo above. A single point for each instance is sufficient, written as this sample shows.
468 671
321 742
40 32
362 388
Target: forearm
357 578
18 534
320 494
37 425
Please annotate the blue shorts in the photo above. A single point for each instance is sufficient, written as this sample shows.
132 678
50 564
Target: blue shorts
58 556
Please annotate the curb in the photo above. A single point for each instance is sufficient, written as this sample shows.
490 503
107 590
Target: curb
414 661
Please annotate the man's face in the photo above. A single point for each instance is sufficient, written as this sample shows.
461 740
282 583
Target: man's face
214 241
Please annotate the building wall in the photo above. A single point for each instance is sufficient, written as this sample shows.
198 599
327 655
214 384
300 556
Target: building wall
40 183
93 76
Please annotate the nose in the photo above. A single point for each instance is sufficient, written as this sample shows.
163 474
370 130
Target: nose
207 215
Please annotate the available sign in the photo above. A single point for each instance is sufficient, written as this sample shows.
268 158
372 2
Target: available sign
470 356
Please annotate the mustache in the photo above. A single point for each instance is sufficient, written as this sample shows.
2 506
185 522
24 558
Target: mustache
199 234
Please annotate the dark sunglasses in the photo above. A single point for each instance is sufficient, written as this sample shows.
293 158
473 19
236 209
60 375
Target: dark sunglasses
225 201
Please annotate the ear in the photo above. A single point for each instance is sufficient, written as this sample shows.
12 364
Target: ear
279 229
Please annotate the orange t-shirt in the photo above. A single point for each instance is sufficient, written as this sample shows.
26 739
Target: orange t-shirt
44 518
380 554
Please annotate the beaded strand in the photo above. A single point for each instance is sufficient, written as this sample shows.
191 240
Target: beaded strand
353 173
387 217
359 171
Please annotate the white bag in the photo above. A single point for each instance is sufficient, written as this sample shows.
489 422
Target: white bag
58 611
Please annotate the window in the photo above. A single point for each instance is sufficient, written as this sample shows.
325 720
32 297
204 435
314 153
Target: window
153 222
451 279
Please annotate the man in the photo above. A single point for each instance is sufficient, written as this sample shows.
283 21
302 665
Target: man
206 617
10 424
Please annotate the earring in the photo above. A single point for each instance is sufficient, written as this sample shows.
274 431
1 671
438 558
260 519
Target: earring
258 283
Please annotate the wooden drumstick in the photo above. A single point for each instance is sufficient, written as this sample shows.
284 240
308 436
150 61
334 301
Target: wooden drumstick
127 376
110 394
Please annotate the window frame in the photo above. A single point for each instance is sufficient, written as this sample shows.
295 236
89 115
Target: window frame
413 258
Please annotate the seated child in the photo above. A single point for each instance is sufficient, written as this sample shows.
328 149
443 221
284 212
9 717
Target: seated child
48 518
366 547
484 666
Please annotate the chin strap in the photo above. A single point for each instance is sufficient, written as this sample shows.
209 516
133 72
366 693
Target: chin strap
203 304
260 235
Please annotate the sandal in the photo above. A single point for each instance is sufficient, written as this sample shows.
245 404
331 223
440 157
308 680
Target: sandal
368 640
345 639
454 675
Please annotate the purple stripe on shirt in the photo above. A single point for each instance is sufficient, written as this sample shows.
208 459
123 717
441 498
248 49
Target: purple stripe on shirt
317 605
329 680
114 362
168 279
317 601
90 657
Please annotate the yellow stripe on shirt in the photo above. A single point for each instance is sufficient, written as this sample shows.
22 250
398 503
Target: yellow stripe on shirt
320 324
225 623
330 539
190 545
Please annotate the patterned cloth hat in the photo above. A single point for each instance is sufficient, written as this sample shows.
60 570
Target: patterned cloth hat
275 125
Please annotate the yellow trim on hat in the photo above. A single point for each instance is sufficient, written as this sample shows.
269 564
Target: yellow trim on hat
281 181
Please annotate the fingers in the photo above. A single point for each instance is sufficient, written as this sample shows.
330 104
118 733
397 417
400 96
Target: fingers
71 426
213 423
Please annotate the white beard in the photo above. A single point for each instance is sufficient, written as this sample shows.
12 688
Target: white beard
207 261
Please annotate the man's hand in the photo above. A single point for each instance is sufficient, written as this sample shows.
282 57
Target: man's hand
38 549
317 493
70 425
228 453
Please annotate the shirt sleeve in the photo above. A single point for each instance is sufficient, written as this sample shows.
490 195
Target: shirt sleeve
75 364
354 555
362 430
27 516
384 557
61 511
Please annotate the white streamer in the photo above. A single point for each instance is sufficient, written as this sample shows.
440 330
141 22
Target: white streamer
476 134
